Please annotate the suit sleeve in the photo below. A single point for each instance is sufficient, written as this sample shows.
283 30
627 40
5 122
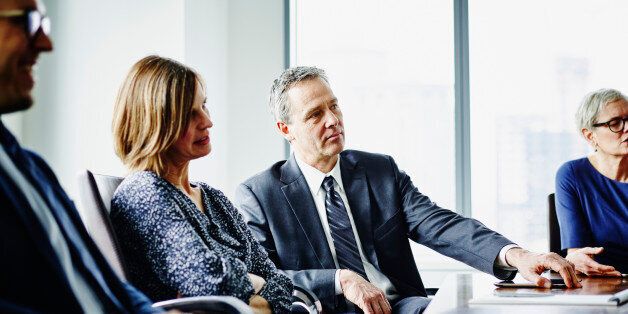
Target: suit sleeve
153 229
448 233
574 229
319 281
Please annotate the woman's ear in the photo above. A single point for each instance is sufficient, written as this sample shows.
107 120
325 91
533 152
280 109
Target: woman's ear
589 136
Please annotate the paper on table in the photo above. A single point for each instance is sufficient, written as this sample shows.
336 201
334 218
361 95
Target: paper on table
620 297
557 299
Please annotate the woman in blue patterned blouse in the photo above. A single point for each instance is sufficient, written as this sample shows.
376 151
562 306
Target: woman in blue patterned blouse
180 238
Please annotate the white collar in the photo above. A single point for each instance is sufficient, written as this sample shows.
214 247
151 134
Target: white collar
315 177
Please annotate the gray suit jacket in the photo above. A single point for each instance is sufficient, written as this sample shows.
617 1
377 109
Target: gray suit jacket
387 209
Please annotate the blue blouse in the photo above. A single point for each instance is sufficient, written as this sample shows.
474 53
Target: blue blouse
172 248
592 211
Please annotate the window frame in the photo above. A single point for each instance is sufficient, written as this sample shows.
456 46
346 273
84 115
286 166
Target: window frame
462 110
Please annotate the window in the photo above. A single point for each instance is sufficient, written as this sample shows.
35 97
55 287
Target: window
391 64
393 75
528 73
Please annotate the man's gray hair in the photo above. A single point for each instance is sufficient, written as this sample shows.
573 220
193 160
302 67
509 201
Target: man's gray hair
592 104
279 104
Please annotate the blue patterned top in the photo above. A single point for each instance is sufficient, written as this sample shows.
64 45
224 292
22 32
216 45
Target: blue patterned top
171 247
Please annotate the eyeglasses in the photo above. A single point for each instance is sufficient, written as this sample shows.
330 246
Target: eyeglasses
33 20
616 125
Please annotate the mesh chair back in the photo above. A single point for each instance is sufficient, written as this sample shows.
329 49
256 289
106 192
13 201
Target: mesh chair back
96 192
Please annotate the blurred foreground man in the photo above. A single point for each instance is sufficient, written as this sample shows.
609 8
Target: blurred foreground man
48 262
338 221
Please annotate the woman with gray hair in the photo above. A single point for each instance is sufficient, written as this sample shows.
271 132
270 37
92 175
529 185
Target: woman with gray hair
592 192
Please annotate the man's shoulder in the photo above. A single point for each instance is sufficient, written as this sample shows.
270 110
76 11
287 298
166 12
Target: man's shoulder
40 163
367 160
362 156
270 175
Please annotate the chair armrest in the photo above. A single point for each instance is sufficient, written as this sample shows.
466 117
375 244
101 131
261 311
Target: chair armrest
305 301
209 304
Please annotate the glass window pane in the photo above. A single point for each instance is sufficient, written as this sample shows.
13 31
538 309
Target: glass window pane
529 71
390 64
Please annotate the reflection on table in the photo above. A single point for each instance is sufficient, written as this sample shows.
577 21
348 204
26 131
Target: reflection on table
459 288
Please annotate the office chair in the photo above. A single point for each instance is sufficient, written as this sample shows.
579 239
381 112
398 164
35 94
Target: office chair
554 228
96 192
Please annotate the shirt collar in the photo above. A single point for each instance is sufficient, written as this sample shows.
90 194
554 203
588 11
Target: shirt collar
315 177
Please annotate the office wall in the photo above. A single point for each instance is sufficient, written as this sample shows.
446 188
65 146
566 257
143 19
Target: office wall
237 46
239 64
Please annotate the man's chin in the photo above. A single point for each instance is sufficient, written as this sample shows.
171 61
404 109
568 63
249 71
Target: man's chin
335 149
15 105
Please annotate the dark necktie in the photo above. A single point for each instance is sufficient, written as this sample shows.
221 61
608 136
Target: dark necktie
341 232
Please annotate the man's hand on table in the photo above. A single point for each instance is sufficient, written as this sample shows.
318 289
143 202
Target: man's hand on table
531 265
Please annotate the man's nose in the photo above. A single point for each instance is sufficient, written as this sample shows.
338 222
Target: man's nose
331 118
41 42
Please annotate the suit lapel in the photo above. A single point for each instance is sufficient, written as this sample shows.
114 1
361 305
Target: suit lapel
302 204
20 205
358 196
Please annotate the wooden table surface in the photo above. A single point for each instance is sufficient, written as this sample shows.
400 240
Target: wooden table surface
459 288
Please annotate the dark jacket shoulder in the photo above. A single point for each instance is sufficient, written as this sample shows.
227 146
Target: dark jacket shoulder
354 157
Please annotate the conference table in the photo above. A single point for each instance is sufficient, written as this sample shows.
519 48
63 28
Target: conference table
459 289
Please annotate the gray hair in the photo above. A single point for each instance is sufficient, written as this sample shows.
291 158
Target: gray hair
279 105
592 104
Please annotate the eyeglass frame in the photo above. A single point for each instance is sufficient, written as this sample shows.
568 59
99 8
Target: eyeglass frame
30 16
608 124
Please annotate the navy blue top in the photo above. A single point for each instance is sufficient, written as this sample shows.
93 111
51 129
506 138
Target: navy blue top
593 211
31 277
173 248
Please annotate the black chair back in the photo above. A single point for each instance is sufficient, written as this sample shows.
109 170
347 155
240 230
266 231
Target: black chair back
554 228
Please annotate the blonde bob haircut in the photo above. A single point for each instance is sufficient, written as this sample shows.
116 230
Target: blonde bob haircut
152 111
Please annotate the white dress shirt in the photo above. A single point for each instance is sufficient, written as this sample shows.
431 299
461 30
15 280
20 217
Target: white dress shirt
314 179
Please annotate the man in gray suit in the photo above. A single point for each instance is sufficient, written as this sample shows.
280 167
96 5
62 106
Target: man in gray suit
337 221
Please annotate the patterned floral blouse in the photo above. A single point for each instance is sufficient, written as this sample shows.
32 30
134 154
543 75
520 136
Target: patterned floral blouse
171 247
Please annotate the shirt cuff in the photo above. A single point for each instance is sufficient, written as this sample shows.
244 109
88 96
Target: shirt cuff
501 259
337 282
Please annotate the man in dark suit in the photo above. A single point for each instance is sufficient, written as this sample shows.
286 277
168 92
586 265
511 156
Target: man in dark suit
338 221
48 262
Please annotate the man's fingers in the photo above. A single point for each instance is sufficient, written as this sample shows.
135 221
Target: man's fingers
381 308
565 268
388 309
569 277
384 305
367 308
536 279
